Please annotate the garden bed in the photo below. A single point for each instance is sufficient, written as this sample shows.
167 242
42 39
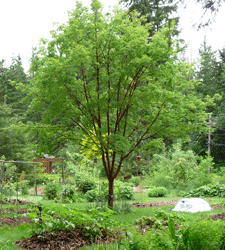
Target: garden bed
155 204
66 239
76 238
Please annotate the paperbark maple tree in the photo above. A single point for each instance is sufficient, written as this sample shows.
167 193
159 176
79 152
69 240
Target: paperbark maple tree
100 75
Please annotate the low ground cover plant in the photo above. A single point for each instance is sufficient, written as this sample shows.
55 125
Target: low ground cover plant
157 192
211 190
93 221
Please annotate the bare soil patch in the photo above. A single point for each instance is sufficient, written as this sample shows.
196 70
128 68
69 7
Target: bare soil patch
40 191
14 222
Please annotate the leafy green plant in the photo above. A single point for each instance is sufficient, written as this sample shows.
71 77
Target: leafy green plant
51 190
208 190
125 192
135 180
93 195
67 193
122 208
23 187
9 189
95 222
84 183
162 179
136 242
157 192
46 178
121 192
205 234
150 221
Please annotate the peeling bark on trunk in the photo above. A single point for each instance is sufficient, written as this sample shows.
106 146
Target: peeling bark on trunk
111 192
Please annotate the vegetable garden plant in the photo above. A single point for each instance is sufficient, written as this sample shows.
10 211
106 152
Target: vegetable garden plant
141 228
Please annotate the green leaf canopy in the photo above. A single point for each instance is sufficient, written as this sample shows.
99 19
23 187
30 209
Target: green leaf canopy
100 75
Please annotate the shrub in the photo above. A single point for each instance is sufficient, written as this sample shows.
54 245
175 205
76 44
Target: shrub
93 195
222 179
135 181
121 192
206 234
209 191
45 178
84 183
67 193
9 189
200 179
162 179
51 190
158 192
125 193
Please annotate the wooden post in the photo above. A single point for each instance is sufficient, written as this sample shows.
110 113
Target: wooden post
1 175
17 190
35 182
63 177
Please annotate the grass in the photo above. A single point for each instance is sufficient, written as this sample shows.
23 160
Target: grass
8 235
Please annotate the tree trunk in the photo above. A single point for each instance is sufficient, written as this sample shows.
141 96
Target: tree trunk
111 191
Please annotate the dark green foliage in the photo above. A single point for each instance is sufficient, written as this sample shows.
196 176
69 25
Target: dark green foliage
125 192
158 192
9 189
51 190
205 234
94 195
67 193
12 139
157 12
208 191
95 223
150 221
84 183
121 192
212 78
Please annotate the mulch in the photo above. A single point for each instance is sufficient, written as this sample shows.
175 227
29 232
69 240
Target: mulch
20 202
14 222
218 216
21 210
168 203
155 204
66 240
